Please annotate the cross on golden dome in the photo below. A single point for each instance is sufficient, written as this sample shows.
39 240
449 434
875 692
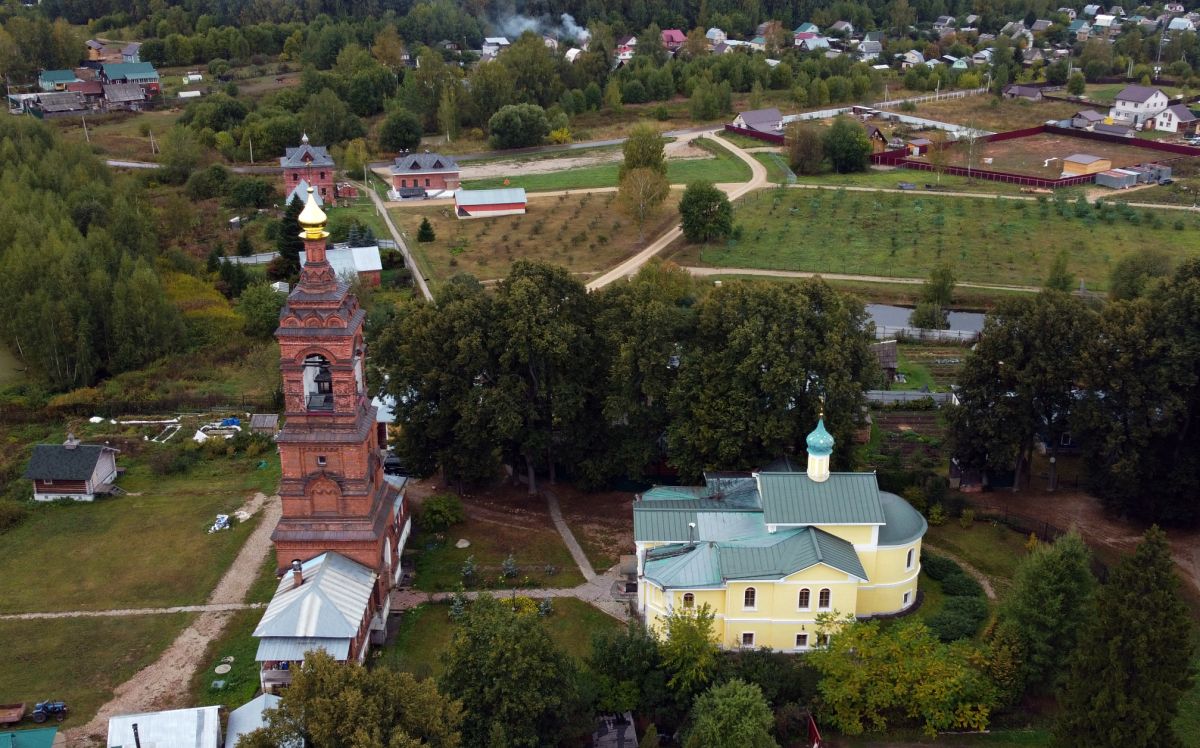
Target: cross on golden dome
312 219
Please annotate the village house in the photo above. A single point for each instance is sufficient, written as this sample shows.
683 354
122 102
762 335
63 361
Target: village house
1079 30
251 716
494 45
626 47
57 104
102 51
572 54
311 163
1086 119
879 141
911 59
71 470
869 50
673 39
92 93
887 355
715 36
1040 26
758 43
339 541
509 201
1136 105
56 80
809 42
772 550
944 22
124 96
1017 91
1176 118
842 28
131 53
428 171
768 121
141 73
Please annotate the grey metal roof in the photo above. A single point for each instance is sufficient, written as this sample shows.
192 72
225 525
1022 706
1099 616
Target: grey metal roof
904 524
293 648
58 462
64 101
755 118
489 197
123 92
249 717
330 603
296 157
1082 158
178 728
1140 94
264 421
1182 112
843 499
423 162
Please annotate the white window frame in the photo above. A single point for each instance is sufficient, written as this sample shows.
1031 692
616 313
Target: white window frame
804 607
742 641
684 600
829 604
750 591
908 561
322 461
907 598
800 645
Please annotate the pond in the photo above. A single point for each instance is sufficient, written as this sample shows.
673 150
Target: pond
886 315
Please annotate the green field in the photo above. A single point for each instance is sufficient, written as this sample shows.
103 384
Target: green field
724 168
79 660
425 634
993 549
242 681
364 213
146 549
907 235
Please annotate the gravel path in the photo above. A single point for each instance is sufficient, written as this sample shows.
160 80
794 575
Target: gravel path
581 559
120 612
162 683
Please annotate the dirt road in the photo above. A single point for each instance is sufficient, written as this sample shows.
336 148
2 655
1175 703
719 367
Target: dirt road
165 682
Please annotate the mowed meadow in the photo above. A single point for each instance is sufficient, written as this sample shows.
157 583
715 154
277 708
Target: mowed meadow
1000 241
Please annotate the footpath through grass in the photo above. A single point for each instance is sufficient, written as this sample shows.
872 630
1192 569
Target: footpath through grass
79 660
242 681
425 633
145 550
907 235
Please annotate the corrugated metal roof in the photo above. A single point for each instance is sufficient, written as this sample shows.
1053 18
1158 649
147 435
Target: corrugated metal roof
59 462
274 649
178 728
249 717
843 499
330 603
728 525
489 197
347 262
697 566
663 526
904 524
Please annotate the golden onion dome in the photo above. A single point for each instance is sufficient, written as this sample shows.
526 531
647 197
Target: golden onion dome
312 219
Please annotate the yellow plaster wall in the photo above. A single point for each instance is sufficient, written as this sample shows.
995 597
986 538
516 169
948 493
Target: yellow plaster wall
854 534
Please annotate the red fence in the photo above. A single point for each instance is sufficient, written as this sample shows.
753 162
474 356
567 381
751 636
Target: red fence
764 136
900 157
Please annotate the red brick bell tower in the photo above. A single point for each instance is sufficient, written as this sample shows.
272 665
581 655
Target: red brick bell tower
334 494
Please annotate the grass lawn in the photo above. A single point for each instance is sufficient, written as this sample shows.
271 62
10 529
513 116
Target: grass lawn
1187 724
725 167
899 294
425 634
583 233
777 171
890 178
931 590
1042 155
234 369
907 235
535 548
602 522
145 550
994 550
241 683
364 212
79 660
120 136
995 114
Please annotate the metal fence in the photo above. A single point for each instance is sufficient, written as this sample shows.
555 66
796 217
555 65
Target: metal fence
893 103
899 397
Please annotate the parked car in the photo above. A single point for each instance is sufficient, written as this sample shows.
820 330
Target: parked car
1166 180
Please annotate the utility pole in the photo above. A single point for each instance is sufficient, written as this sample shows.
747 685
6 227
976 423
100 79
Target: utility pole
251 139
86 137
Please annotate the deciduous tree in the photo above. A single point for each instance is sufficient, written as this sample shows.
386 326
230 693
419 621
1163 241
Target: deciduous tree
259 306
706 213
400 131
731 715
518 126
806 148
641 194
847 146
688 643
643 149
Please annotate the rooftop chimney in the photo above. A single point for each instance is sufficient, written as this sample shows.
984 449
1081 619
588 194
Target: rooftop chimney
297 573
71 442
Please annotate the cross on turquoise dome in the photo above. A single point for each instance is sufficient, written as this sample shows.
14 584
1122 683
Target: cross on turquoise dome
820 441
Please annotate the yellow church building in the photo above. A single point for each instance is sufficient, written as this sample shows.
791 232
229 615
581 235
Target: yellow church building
769 551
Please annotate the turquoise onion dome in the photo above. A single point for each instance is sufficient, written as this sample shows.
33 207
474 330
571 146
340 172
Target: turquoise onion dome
820 441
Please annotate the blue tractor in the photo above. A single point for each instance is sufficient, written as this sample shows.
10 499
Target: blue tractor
44 710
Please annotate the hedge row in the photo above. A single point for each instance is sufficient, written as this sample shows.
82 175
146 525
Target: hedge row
965 608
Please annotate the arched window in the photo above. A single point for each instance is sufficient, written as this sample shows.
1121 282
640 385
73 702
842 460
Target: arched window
318 383
689 600
823 599
909 562
805 598
749 599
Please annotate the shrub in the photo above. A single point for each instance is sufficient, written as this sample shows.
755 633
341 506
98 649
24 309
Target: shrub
426 233
916 497
967 519
510 568
11 515
173 461
545 607
959 584
959 618
441 512
938 567
937 515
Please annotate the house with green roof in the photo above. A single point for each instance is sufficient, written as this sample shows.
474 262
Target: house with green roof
56 80
772 550
141 73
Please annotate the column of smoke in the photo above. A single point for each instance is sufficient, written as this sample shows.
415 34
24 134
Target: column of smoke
565 30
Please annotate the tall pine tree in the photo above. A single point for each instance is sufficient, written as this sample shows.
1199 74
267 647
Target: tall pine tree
289 243
1131 666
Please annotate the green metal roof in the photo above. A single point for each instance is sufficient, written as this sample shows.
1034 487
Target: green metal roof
667 521
57 76
129 70
843 499
904 524
42 737
764 556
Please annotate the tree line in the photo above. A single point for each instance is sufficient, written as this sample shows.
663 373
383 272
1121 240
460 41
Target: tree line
541 374
1119 383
